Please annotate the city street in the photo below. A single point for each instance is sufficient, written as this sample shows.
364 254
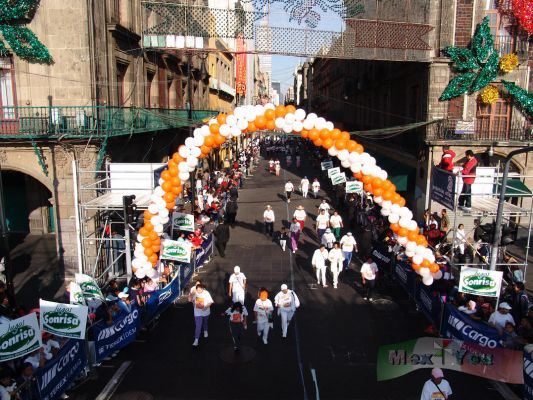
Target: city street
334 337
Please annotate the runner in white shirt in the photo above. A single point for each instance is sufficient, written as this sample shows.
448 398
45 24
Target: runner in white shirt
289 188
304 186
316 187
263 310
237 285
300 216
369 271
436 388
335 259
328 239
320 256
348 246
269 218
278 167
287 302
335 223
324 205
202 302
322 223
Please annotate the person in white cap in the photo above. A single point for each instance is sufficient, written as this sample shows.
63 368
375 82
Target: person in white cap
289 188
499 317
287 302
300 216
348 246
237 285
437 387
263 314
335 258
320 256
269 218
304 186
328 239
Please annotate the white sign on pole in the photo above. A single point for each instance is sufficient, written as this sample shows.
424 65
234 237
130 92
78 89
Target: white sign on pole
333 171
19 337
325 165
66 320
480 282
354 187
339 178
177 251
183 222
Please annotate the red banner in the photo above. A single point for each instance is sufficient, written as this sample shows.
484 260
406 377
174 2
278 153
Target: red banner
240 81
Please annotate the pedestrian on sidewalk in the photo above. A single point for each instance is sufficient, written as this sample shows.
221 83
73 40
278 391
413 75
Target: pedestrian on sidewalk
304 186
328 239
202 301
269 218
221 234
237 285
263 310
277 166
336 259
289 188
295 234
287 302
300 216
316 187
298 161
320 256
231 211
322 223
437 387
335 222
283 238
348 246
237 322
369 272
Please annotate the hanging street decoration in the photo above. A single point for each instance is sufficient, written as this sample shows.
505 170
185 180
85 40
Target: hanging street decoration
508 63
21 40
523 11
490 95
523 98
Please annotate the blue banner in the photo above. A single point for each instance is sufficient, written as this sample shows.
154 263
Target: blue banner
58 374
160 299
203 253
381 255
443 187
458 325
108 339
186 271
528 376
430 304
406 277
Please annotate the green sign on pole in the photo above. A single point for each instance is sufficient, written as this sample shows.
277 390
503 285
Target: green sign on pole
354 187
176 250
333 171
338 179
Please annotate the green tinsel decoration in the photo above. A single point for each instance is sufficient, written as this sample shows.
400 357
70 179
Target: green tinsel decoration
40 157
482 42
25 44
458 86
463 59
101 156
487 74
523 98
13 10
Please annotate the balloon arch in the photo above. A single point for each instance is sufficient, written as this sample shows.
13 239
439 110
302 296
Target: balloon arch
288 119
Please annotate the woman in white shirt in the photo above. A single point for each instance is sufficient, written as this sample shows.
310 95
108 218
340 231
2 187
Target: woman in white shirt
335 258
460 239
202 301
304 186
320 256
263 309
300 216
316 187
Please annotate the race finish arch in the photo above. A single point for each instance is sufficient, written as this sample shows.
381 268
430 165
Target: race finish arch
287 119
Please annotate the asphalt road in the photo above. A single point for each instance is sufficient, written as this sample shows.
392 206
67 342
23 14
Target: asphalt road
336 333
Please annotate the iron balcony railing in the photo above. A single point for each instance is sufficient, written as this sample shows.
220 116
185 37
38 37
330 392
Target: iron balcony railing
481 129
55 122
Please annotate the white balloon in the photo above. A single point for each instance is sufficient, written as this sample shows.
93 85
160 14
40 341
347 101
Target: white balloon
270 106
437 275
383 175
239 112
136 263
332 151
279 123
164 220
147 265
189 142
152 208
150 273
287 128
231 120
346 163
386 204
212 121
197 132
309 123
158 228
192 161
417 259
427 280
404 223
395 208
410 246
420 250
160 181
183 166
205 130
329 125
159 191
183 176
430 258
355 167
163 213
299 114
161 206
156 220
312 116
366 169
379 200
343 155
424 271
235 131
251 115
195 152
297 126
259 110
412 225
191 169
409 253
384 212
372 161
289 118
393 218
406 213
320 123
242 124
224 130
184 151
140 273
140 238
198 141
354 157
364 157
402 240
143 258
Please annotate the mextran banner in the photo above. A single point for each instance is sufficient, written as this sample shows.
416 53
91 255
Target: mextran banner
430 304
108 339
381 255
186 271
183 222
19 337
443 187
59 373
406 276
176 250
204 252
89 287
66 320
160 299
528 376
398 359
457 325
480 282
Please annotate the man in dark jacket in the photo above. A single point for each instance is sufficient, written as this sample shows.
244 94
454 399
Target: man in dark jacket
520 302
222 237
231 211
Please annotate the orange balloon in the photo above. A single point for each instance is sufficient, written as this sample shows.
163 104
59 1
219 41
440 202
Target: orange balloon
156 241
147 216
387 195
221 119
169 197
252 127
318 142
340 144
314 134
396 198
420 240
403 232
165 175
147 243
171 164
152 235
213 128
260 122
416 267
270 115
270 124
174 171
205 149
304 133
290 109
392 187
434 267
156 248
360 149
377 191
368 187
148 251
325 134
351 145
412 235
377 182
344 136
394 227
176 181
219 139
176 190
148 225
425 263
280 111
170 206
327 143
167 186
367 179
358 175
153 258
209 141
144 232
177 158
335 133
401 203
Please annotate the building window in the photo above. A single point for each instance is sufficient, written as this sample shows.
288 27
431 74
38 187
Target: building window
493 120
121 78
502 30
149 79
7 89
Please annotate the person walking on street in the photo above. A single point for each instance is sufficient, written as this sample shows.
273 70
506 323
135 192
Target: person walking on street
348 246
221 234
469 176
436 387
328 239
335 222
271 167
231 211
316 187
289 188
263 310
283 238
322 223
202 301
277 167
300 216
237 285
335 263
324 205
237 322
298 160
287 302
304 186
295 234
269 218
320 256
369 271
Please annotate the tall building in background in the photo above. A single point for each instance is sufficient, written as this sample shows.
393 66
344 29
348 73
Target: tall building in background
289 96
264 37
277 87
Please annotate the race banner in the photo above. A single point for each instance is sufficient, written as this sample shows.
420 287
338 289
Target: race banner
430 303
480 282
186 271
381 256
395 360
528 376
325 165
176 250
89 287
338 179
160 299
354 187
204 252
406 276
19 337
108 339
182 222
443 187
59 373
333 171
76 295
66 320
458 325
